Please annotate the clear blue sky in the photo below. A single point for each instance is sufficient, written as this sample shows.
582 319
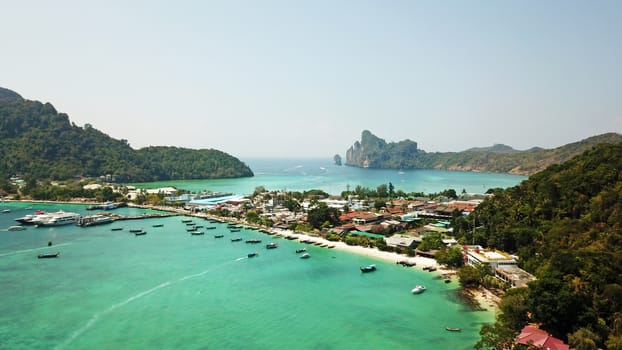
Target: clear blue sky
304 78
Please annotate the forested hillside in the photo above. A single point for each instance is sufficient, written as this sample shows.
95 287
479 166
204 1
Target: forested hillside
374 152
38 142
565 225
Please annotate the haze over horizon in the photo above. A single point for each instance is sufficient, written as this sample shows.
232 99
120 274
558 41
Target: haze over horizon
305 78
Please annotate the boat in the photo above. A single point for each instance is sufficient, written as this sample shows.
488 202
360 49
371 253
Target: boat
418 289
368 268
186 220
6 211
237 239
48 255
210 227
250 255
116 229
219 236
134 230
108 206
140 233
16 228
234 230
157 225
447 280
431 269
92 220
57 219
253 241
453 329
272 245
406 263
28 218
305 256
302 250
196 233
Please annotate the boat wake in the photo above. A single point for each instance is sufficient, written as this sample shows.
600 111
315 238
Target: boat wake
75 335
97 316
33 249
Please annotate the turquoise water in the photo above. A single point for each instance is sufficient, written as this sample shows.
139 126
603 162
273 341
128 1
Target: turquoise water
170 290
306 174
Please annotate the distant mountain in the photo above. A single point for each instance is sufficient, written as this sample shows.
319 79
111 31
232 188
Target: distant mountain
38 142
374 152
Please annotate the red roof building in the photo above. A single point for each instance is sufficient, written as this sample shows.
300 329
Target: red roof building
534 336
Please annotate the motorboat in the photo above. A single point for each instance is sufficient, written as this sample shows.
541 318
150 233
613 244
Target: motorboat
272 245
368 268
196 233
305 256
302 250
237 239
418 289
453 329
219 236
141 233
48 255
253 241
250 255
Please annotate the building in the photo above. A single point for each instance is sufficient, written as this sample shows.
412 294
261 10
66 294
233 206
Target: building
531 335
476 255
502 265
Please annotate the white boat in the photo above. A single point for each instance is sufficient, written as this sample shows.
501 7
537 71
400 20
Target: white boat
418 289
16 228
57 219
305 256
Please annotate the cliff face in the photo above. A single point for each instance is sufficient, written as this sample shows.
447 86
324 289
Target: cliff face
374 152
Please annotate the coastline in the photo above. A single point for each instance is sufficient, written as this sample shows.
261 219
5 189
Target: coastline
485 298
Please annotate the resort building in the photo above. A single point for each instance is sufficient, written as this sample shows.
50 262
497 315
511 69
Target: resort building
503 265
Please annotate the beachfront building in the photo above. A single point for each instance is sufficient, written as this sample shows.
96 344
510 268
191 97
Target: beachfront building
402 241
503 265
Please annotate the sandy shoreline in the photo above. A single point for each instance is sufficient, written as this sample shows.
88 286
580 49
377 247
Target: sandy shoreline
483 296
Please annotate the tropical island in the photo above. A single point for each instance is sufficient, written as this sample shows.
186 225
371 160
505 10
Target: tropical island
550 248
374 152
38 143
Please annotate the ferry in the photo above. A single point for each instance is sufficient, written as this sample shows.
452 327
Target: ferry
58 218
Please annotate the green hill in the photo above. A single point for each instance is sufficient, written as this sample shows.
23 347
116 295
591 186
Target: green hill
565 224
38 142
374 152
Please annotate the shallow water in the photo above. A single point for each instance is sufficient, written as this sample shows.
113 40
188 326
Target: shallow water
169 289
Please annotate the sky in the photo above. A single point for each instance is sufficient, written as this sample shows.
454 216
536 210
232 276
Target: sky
304 78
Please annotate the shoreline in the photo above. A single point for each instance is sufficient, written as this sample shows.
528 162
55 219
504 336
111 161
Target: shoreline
484 297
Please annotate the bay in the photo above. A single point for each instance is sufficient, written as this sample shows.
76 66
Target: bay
170 290
306 174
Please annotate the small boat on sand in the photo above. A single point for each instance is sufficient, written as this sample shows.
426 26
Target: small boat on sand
453 329
368 268
48 255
